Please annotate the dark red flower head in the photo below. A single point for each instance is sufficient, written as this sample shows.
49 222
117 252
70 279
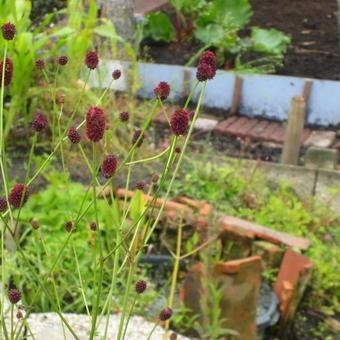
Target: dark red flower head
178 149
35 224
208 57
68 226
173 336
137 136
140 286
63 60
19 315
3 204
180 122
8 72
93 226
39 122
116 74
95 124
154 178
109 166
165 314
18 196
140 185
205 72
14 295
124 116
39 64
206 68
162 90
91 60
73 135
8 31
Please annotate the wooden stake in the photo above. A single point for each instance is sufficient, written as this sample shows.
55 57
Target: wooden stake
307 88
236 95
294 131
186 83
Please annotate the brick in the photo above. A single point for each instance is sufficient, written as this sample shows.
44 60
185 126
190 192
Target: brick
239 282
258 129
243 130
295 272
321 158
271 254
236 126
321 139
268 131
230 224
221 126
278 134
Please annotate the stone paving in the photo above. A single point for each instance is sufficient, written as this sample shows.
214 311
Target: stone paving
48 326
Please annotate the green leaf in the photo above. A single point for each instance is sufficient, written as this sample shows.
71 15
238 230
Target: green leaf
106 31
65 31
230 12
158 27
269 41
210 34
137 205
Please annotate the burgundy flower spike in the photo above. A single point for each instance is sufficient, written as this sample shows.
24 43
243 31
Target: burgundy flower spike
109 166
63 60
8 31
165 314
18 196
95 124
39 122
180 122
206 68
39 64
14 296
116 74
91 60
162 90
3 204
8 72
73 135
136 138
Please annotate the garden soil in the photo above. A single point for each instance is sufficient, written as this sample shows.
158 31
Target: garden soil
311 24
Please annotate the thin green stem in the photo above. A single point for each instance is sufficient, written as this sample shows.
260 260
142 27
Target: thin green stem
12 321
81 286
174 273
125 301
150 158
174 175
2 93
98 277
129 315
152 331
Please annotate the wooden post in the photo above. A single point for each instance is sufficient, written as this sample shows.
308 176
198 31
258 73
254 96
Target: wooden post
186 83
294 131
236 95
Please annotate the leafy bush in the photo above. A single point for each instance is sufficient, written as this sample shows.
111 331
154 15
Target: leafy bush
158 27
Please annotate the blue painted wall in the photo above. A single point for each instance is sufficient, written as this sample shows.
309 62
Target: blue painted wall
266 96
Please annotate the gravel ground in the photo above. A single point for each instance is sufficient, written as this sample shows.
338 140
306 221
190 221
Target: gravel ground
48 326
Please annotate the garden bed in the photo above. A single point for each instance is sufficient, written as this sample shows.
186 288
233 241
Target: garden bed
312 25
